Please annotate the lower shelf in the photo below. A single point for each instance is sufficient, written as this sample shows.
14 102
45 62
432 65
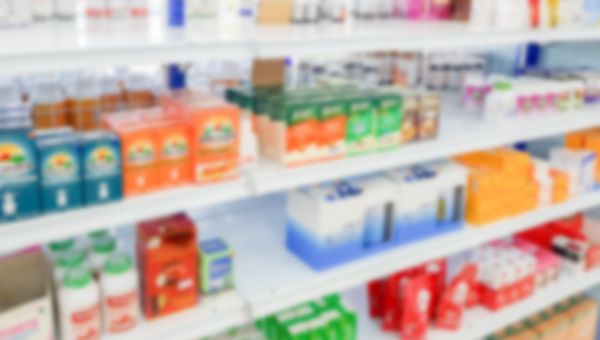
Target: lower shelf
479 321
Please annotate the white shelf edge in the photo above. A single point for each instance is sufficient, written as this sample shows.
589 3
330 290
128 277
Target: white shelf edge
266 180
213 315
357 272
130 210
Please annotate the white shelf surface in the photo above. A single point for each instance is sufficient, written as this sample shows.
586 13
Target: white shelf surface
131 210
213 315
272 278
459 132
52 46
479 322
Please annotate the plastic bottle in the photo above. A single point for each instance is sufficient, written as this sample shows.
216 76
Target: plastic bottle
66 261
64 9
139 9
16 12
500 103
86 103
49 104
139 92
176 13
61 246
248 144
111 97
42 9
95 9
119 294
79 306
101 249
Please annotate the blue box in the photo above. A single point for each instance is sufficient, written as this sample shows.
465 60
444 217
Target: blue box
60 170
102 168
19 190
216 266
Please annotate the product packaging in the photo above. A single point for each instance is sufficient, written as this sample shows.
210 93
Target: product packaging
120 296
79 299
26 311
101 160
168 264
216 266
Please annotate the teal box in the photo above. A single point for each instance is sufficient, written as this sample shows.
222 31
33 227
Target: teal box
216 266
59 168
101 159
19 191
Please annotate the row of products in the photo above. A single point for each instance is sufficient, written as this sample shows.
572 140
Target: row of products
502 100
192 139
494 276
56 171
98 290
327 318
303 126
333 223
573 318
77 100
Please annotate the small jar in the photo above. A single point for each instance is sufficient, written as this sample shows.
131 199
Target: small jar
79 305
101 249
120 297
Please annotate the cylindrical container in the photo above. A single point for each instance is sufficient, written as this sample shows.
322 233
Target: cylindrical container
85 103
79 306
64 9
139 92
66 261
49 104
120 296
176 13
111 97
101 249
59 247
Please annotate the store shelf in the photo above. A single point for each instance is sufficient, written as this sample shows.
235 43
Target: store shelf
52 46
131 210
272 278
479 322
459 132
212 316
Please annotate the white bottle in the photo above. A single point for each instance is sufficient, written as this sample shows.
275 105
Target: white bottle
43 9
64 9
79 306
500 103
16 12
59 247
119 294
67 261
101 249
95 9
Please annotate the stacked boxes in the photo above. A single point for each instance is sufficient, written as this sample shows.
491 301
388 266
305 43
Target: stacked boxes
337 222
501 184
586 140
312 125
327 318
573 319
579 165
101 162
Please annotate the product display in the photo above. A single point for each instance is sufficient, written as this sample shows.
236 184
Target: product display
339 222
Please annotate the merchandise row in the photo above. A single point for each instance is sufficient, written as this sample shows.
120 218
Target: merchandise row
488 14
96 288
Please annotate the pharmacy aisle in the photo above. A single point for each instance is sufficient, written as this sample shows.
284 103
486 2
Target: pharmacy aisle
299 169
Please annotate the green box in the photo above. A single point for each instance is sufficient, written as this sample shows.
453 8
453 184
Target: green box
361 125
389 120
216 266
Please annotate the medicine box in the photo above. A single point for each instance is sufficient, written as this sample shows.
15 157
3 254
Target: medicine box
101 160
216 266
19 191
60 171
25 308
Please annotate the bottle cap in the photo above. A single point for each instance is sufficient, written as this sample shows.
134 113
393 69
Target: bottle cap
71 259
104 245
62 245
117 264
98 234
77 278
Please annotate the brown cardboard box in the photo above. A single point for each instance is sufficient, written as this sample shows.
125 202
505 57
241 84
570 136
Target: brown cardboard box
275 12
268 72
25 305
462 10
583 318
554 328
527 334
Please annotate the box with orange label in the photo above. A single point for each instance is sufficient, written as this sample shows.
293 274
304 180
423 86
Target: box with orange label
168 262
139 152
215 133
173 140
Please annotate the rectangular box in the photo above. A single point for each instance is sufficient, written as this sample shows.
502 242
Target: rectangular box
101 159
216 266
60 171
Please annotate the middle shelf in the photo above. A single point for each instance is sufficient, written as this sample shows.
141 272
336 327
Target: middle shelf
459 132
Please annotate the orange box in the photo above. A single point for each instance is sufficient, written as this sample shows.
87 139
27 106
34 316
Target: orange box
174 145
215 135
140 155
556 327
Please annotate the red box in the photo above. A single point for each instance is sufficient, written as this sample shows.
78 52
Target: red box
168 262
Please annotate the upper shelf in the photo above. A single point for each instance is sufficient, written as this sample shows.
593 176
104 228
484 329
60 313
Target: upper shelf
460 132
55 46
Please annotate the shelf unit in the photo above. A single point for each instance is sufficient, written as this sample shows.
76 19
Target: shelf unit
56 46
460 132
269 277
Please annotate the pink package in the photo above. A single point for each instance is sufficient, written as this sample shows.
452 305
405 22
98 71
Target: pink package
428 9
548 264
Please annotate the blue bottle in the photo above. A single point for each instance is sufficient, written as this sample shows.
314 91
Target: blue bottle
176 13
